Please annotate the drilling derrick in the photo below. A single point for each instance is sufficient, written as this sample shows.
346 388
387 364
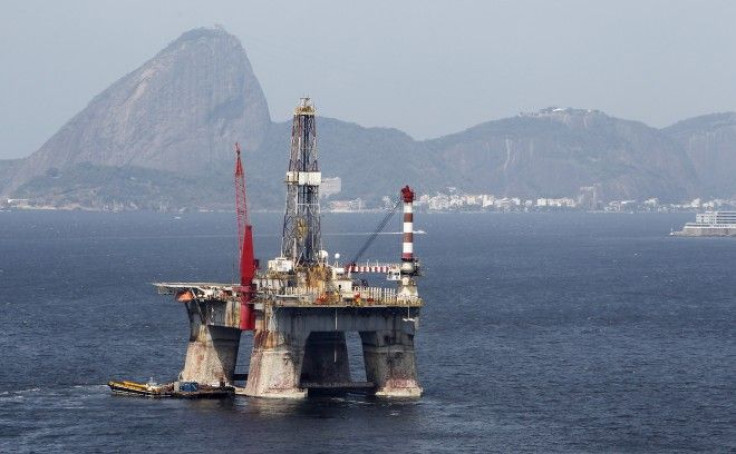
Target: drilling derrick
301 240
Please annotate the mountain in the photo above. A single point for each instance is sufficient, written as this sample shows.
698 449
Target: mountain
180 112
162 137
8 168
552 153
557 151
710 143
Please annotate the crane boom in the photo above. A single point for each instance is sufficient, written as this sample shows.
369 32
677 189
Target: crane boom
376 232
245 239
240 202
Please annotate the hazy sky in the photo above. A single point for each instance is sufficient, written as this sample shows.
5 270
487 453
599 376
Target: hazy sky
426 67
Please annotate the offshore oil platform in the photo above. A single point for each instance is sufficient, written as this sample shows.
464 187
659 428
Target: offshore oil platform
301 306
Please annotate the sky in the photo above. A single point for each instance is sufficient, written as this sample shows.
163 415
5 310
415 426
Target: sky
429 68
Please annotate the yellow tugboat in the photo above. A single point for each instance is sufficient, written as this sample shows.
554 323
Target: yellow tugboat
141 389
186 390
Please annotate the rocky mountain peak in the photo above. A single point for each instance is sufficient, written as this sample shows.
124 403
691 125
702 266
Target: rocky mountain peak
180 111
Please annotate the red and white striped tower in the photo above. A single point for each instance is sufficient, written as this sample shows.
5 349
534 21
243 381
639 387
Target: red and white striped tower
407 247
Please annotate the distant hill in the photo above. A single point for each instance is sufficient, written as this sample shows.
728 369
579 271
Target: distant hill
162 136
556 151
710 143
8 168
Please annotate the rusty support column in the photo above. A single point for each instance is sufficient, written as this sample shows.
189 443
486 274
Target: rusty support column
275 365
390 363
212 351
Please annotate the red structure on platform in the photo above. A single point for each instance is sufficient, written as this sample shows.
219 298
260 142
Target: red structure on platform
248 263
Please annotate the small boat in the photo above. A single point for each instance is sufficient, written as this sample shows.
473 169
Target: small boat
141 389
184 390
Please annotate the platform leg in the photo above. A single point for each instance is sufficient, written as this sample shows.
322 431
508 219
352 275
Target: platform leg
211 355
275 365
390 363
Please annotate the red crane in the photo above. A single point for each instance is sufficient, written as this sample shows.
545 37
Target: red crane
248 263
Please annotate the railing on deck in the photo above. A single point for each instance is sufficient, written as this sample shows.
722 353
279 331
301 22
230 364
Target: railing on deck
360 297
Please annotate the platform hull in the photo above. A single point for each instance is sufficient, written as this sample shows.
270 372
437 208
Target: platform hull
296 345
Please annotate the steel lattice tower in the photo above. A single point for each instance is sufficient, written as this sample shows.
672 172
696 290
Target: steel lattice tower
301 238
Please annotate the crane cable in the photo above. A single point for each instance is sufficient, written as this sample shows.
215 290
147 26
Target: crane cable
374 235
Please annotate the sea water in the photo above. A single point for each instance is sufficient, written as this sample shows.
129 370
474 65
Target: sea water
542 332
